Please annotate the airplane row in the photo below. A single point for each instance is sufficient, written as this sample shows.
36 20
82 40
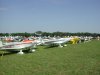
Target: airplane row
30 43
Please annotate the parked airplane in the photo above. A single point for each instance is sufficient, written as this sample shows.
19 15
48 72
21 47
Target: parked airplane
59 41
18 46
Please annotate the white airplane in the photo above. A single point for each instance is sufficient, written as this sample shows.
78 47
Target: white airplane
18 46
56 41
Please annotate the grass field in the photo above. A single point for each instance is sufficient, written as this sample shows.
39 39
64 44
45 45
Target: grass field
78 59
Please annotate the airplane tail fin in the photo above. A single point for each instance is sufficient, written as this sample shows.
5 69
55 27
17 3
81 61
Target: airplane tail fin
40 41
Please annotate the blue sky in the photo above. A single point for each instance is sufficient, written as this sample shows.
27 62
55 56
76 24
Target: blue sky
50 15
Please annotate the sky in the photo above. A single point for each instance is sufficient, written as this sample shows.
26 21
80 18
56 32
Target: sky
49 16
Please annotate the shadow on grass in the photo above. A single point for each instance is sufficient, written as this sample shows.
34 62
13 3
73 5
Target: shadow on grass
7 53
50 47
10 52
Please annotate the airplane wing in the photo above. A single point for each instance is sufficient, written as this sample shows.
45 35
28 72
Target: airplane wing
16 47
57 41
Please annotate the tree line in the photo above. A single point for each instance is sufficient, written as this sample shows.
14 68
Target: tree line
40 33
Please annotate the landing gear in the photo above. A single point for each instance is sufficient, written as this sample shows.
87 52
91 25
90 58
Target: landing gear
21 52
33 50
65 45
60 46
35 46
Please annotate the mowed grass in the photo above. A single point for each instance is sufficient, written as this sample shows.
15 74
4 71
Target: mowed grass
78 59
